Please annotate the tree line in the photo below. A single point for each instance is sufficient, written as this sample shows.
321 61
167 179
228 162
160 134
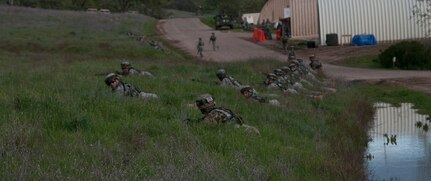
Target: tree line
150 7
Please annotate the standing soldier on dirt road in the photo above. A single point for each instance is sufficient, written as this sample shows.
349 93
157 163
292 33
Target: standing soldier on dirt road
213 40
200 47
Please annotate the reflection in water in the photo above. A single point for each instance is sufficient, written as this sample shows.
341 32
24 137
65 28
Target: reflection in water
399 149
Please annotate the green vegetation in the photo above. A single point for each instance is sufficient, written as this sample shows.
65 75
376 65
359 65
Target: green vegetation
365 61
59 120
209 21
155 8
396 95
410 55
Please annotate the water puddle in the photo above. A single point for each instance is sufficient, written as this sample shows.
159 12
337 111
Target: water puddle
400 146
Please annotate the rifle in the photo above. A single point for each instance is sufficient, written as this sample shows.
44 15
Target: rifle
234 82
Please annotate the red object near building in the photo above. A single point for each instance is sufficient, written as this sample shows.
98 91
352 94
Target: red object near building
278 34
258 35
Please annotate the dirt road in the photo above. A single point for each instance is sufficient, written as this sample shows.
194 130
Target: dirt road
234 46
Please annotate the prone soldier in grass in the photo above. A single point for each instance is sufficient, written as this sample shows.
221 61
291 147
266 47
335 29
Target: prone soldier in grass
226 80
219 115
249 93
125 89
128 70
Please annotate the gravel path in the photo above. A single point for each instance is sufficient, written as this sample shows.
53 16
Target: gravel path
234 46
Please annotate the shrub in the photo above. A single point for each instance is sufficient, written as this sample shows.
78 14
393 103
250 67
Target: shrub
410 55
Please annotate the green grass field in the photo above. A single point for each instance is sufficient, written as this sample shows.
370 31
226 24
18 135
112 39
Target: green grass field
60 121
365 61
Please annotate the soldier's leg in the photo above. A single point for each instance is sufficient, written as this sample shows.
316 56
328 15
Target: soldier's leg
148 95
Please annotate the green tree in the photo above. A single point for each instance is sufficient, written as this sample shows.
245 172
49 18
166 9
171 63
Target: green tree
79 4
422 14
154 7
125 5
410 55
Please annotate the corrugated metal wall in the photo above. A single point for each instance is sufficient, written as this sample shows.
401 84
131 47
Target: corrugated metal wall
304 18
388 20
273 10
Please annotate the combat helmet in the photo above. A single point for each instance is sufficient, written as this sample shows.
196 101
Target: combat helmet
247 89
271 76
111 77
291 57
285 69
205 103
221 74
278 72
293 67
125 64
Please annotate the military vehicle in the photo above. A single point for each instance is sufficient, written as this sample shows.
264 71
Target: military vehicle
223 20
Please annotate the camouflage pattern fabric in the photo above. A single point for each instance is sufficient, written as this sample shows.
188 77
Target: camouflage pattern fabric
200 47
249 129
230 82
316 65
148 95
135 72
220 115
274 102
213 41
126 89
259 99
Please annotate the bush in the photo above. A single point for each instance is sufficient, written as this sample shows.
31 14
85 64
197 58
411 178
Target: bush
411 55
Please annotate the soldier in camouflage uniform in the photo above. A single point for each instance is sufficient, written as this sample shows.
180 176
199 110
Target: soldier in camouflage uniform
125 89
314 63
128 70
284 40
291 54
213 41
219 115
200 47
227 81
272 82
249 93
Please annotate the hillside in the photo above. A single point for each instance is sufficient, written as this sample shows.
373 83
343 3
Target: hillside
59 120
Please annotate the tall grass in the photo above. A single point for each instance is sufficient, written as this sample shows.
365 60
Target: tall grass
60 121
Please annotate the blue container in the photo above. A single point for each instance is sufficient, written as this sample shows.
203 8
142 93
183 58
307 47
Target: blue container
364 39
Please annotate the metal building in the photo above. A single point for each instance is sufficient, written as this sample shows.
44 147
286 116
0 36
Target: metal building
304 19
387 20
273 10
